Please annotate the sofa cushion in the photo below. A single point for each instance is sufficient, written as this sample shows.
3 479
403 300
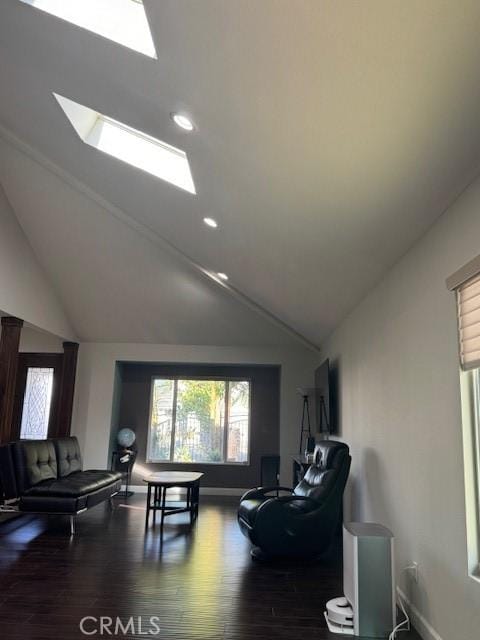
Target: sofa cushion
36 462
67 504
113 476
75 485
96 497
52 504
69 459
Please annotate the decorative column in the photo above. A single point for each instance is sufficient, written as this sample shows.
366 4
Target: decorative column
67 388
9 344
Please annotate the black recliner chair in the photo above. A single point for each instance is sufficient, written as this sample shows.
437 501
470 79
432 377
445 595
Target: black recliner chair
304 522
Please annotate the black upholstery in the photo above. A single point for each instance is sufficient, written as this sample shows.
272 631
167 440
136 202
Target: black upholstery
46 476
316 483
74 485
304 521
329 454
35 461
52 504
69 458
67 504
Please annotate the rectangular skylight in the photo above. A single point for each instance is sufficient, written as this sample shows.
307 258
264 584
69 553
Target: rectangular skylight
123 21
129 145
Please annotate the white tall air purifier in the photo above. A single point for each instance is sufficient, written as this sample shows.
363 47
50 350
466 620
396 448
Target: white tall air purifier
368 607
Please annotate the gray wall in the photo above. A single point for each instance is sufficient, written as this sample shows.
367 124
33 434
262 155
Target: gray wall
36 341
400 410
134 410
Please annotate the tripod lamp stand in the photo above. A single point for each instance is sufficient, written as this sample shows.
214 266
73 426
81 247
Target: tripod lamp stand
307 442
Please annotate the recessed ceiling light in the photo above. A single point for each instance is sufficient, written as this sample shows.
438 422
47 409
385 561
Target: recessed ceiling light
183 122
222 276
210 222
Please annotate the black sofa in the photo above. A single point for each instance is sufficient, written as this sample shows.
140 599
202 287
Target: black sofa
46 476
302 523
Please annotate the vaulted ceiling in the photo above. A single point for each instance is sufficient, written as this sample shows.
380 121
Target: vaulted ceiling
330 136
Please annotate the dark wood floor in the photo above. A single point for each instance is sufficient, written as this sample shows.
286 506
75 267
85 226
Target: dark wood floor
202 584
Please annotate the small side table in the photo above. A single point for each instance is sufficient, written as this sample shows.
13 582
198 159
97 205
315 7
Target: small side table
157 485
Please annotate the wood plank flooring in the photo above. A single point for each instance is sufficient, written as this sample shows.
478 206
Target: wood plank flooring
201 584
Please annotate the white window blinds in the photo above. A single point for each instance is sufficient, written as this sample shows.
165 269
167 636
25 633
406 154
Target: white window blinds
468 300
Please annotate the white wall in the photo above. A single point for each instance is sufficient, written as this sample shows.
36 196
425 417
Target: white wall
96 375
401 413
24 289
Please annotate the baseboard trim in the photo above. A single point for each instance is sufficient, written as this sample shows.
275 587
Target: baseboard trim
419 621
204 491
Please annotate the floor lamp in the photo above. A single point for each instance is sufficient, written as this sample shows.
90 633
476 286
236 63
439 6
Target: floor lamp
305 430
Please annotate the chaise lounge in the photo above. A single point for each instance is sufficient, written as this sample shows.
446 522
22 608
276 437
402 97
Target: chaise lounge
46 476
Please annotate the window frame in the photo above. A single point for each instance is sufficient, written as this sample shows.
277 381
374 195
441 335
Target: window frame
176 379
155 157
470 401
96 26
459 282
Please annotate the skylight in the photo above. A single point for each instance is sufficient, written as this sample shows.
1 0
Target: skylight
129 145
123 21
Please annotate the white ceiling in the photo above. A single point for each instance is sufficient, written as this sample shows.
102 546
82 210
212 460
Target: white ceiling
116 284
330 136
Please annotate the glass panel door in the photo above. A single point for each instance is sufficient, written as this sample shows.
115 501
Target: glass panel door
37 403
35 414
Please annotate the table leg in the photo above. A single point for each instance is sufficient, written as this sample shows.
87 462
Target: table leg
164 497
190 503
149 495
155 503
196 498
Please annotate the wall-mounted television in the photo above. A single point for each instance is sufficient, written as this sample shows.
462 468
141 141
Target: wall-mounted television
325 399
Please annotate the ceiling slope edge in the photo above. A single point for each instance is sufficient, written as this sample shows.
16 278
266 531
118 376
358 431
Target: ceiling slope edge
150 234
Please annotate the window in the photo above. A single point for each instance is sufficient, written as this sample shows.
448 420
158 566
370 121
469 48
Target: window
129 145
199 421
468 299
123 21
466 284
470 395
36 403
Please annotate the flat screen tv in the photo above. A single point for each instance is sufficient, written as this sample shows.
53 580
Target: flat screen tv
324 399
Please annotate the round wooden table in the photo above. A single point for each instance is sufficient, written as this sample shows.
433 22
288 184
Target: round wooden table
157 485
